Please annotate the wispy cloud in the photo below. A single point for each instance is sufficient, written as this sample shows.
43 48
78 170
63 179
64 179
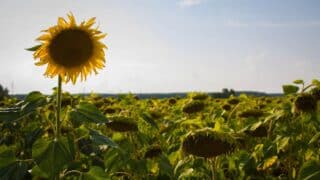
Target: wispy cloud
236 23
189 3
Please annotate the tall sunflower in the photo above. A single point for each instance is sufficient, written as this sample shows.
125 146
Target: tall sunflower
71 50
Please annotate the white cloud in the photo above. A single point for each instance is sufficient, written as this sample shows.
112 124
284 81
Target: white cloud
189 3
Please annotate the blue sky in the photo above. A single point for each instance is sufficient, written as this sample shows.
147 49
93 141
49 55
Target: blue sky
172 45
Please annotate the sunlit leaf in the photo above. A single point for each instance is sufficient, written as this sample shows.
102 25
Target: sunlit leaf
282 144
269 162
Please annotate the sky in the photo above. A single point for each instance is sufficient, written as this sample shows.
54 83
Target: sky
171 45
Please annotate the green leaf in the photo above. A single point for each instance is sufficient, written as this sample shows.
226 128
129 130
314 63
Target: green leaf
51 156
111 159
37 172
282 144
14 171
7 156
310 171
315 138
149 120
34 48
86 112
181 165
32 101
95 173
290 89
298 81
164 166
9 114
31 137
269 162
316 82
101 139
186 173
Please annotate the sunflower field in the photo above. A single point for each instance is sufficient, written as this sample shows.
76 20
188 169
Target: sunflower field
195 137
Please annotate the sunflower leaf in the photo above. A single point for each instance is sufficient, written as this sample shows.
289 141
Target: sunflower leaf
101 139
149 120
86 112
290 89
95 173
16 170
298 81
51 156
310 170
7 156
9 114
34 48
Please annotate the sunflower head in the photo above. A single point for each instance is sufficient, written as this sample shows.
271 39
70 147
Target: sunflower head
233 101
122 124
306 103
71 50
255 113
172 101
207 143
193 106
153 151
226 107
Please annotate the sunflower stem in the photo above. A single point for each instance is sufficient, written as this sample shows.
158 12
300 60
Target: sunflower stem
58 108
212 163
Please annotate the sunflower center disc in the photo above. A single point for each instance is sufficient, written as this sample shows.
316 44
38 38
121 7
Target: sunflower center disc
71 48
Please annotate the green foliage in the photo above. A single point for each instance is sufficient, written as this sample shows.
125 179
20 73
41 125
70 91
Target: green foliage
196 137
86 112
310 170
52 156
290 89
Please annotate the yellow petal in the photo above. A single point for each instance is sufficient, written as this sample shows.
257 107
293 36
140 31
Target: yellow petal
90 22
62 22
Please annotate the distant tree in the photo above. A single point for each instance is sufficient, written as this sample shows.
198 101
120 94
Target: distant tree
232 92
3 92
225 91
228 92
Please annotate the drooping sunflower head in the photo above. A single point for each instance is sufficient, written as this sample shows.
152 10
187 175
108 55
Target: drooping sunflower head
207 143
71 50
305 103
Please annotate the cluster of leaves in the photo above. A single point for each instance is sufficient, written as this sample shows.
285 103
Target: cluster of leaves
172 138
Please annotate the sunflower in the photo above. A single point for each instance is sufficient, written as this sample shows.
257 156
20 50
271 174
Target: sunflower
71 50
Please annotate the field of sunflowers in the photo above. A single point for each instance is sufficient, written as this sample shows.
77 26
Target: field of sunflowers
196 137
